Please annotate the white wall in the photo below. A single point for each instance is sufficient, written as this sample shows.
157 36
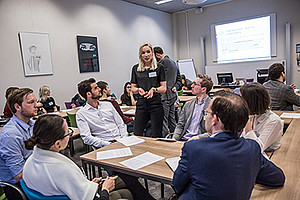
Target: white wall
120 27
198 25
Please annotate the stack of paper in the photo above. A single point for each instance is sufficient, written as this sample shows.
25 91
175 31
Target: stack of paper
131 140
115 153
142 160
290 115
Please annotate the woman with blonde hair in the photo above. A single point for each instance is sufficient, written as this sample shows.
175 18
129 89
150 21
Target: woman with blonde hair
47 101
148 80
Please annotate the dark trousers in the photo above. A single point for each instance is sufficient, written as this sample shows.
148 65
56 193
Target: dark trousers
11 193
169 122
149 110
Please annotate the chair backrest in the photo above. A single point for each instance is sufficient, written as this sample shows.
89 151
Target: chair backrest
14 187
72 118
34 195
180 92
68 104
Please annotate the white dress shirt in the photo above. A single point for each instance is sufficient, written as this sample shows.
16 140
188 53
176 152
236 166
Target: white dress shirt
99 126
269 126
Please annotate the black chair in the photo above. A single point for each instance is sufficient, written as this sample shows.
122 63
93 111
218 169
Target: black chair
14 187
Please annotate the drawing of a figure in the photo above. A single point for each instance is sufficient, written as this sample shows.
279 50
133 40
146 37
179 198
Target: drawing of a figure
33 61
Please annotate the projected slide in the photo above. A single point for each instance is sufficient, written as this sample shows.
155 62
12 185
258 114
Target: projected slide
244 40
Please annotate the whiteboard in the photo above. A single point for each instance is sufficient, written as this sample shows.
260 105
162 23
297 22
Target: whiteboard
187 68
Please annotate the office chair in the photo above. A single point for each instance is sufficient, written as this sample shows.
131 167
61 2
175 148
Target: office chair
34 195
15 187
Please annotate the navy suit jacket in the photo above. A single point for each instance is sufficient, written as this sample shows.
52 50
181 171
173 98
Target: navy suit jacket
223 167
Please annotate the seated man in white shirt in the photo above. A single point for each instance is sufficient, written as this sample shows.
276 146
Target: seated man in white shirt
98 122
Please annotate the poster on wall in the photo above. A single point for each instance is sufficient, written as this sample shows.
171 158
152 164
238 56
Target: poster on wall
36 53
88 54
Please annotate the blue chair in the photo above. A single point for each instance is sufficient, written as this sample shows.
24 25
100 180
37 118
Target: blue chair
34 195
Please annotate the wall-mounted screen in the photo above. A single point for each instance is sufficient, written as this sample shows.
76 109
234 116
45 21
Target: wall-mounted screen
244 40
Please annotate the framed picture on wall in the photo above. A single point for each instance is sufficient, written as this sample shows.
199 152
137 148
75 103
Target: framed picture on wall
88 54
36 53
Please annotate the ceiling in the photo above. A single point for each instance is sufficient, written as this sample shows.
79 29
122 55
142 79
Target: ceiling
173 6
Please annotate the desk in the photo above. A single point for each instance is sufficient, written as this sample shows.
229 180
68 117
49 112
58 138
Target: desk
287 157
287 121
188 92
127 108
185 98
227 86
75 136
159 171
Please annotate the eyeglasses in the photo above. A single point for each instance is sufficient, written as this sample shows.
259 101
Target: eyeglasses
196 83
69 134
128 87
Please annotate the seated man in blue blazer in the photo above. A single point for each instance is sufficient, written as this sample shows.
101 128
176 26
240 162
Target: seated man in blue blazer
224 165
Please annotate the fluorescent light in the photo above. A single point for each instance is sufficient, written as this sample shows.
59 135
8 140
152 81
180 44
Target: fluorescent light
162 1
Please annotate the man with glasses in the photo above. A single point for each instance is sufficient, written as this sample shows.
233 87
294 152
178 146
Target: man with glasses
282 96
224 165
13 154
191 120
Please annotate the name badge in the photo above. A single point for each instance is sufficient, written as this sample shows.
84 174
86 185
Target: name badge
50 103
152 74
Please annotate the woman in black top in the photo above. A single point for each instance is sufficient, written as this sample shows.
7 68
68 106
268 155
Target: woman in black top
128 98
47 101
148 80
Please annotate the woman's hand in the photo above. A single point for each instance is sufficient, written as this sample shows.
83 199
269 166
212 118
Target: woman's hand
149 94
109 183
97 180
73 105
142 91
248 127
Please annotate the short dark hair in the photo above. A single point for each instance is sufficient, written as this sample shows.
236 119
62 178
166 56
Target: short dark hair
275 71
232 110
206 82
257 98
17 97
158 50
46 131
9 91
85 86
102 85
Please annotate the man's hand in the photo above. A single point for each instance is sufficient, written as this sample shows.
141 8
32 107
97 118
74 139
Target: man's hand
194 138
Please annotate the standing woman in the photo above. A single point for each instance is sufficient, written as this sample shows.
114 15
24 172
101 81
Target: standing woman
47 101
127 97
148 80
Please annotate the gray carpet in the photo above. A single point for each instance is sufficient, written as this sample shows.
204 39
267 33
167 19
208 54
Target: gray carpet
154 187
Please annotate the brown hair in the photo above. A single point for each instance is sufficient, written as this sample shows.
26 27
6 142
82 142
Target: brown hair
46 131
232 110
9 91
85 86
257 98
206 82
17 97
275 71
102 85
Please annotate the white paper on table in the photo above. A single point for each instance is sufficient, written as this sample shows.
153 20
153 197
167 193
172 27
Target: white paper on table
114 153
129 112
68 110
141 160
290 115
173 163
53 113
123 107
131 140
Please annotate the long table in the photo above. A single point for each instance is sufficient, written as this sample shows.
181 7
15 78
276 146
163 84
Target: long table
287 157
159 171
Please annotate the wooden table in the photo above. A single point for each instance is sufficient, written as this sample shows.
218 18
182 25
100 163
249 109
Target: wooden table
159 171
287 157
127 108
287 121
185 98
188 92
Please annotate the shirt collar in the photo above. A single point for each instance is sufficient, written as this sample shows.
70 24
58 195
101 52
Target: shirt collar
26 126
88 106
202 102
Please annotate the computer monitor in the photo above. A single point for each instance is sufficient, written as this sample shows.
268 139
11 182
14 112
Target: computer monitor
225 78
